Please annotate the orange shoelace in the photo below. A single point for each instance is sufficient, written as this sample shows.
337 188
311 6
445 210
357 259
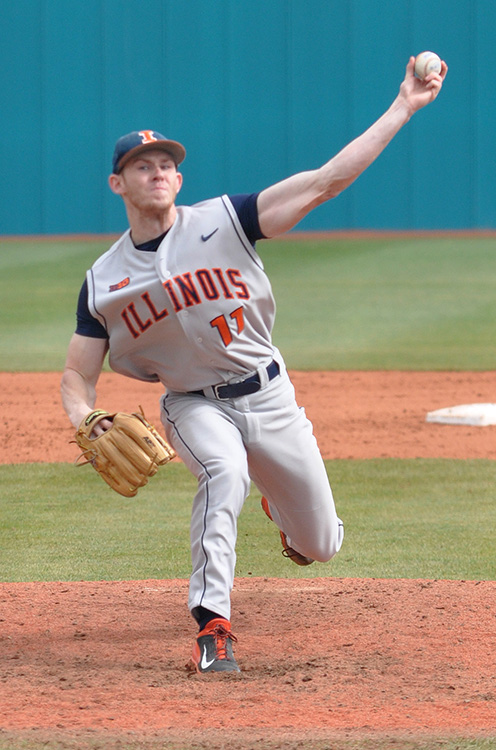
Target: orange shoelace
221 635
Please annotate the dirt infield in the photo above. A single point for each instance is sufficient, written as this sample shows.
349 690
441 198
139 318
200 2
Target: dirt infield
355 414
324 660
320 657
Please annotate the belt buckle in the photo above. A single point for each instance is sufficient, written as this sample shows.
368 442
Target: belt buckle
217 395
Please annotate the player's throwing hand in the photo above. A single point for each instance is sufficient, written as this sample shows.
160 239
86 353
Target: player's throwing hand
418 93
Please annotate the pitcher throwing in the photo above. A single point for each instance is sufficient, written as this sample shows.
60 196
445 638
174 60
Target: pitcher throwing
182 298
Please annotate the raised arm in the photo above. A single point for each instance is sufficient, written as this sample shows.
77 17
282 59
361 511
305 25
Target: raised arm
83 366
283 205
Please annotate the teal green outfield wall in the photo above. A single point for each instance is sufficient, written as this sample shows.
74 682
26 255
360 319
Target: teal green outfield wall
256 90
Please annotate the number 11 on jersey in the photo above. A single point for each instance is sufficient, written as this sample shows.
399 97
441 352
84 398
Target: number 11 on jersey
222 325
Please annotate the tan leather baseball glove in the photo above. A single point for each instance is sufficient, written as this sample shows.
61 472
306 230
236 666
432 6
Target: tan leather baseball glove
125 455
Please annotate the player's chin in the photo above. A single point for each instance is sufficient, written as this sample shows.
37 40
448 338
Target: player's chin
158 201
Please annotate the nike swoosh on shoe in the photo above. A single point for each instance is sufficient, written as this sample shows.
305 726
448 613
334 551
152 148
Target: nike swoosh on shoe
205 663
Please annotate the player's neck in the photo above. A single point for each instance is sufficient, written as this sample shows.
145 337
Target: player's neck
146 227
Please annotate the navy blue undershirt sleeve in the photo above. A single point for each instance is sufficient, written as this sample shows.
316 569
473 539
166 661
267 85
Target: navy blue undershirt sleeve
87 325
245 206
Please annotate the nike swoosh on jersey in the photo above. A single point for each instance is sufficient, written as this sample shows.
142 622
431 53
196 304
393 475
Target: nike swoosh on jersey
206 237
205 663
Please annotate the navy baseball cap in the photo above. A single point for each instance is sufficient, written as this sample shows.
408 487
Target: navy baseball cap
134 143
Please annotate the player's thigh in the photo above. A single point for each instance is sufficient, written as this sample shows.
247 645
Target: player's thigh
283 452
301 500
286 465
204 436
290 470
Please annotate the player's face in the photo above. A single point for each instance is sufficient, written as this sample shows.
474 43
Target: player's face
150 182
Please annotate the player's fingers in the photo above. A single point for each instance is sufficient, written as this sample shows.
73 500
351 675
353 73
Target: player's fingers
434 86
436 79
410 67
437 76
432 80
102 426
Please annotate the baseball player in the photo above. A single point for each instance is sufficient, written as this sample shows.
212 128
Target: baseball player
182 298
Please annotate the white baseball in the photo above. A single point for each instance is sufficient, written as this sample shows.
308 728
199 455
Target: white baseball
427 62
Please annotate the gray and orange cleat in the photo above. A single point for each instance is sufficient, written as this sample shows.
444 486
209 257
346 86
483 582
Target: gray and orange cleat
287 551
213 651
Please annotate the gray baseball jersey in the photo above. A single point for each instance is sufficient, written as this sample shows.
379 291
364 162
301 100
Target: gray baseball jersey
198 312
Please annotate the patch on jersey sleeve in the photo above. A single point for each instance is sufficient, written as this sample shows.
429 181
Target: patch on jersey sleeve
120 285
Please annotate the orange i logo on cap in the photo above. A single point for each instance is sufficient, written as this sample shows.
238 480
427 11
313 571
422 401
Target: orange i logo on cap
147 136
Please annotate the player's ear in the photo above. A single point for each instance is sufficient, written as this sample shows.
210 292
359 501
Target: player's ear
115 183
179 183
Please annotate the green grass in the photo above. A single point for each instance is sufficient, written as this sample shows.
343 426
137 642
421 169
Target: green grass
397 304
421 518
414 304
205 741
39 287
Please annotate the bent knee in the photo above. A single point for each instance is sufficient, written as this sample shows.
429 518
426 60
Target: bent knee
327 548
